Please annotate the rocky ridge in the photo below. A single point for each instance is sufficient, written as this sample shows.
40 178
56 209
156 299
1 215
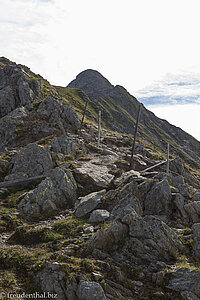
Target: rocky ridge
119 110
91 228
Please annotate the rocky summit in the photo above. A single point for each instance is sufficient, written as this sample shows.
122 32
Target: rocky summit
76 221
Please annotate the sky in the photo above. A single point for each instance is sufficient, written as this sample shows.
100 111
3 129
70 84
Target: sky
140 44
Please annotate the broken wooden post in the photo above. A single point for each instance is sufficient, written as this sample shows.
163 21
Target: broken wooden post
156 165
99 129
167 171
135 134
22 181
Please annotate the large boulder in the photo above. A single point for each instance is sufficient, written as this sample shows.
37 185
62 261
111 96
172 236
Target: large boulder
186 280
196 196
128 196
178 168
98 216
180 202
196 234
92 177
127 176
151 238
32 160
193 211
63 144
16 89
51 280
89 203
89 290
9 126
7 101
58 114
108 239
55 192
158 199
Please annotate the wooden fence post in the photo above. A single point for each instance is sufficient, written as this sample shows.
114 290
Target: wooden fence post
167 171
135 134
99 129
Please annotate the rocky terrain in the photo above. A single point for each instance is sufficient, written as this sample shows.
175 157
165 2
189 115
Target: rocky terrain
119 110
76 222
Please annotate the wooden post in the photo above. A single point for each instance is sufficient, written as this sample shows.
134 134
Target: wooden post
135 134
167 159
99 129
84 112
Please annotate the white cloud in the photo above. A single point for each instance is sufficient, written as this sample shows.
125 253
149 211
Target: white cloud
132 43
178 88
184 116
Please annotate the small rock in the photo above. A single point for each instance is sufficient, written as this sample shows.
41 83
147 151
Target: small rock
6 217
97 276
99 215
159 294
89 229
90 290
137 283
89 203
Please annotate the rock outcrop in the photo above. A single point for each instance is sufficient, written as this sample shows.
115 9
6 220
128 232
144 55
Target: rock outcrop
119 107
76 221
55 192
32 160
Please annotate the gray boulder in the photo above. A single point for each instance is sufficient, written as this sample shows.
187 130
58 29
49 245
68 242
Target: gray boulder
98 216
32 160
158 199
189 296
179 202
89 290
196 197
186 280
126 176
9 126
193 211
178 180
51 279
93 177
58 113
7 101
153 239
89 203
128 196
53 193
196 235
26 94
63 144
127 215
108 239
16 89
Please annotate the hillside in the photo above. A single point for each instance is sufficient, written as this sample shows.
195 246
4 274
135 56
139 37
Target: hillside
120 110
76 223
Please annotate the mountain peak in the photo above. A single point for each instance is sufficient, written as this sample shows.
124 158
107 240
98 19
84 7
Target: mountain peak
91 82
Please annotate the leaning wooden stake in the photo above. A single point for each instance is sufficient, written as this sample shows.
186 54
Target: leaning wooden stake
167 171
99 129
135 134
22 181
